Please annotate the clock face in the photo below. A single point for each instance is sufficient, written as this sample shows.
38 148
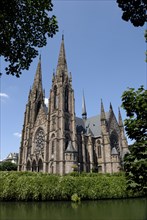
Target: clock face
39 139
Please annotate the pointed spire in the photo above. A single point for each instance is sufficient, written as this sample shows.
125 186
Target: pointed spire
40 58
84 113
103 117
29 94
62 65
53 77
111 111
120 121
62 36
38 76
111 107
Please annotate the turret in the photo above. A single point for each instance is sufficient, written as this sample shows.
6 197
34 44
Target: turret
120 122
103 116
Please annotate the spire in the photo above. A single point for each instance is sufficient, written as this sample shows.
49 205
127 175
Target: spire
111 110
84 113
111 107
120 122
53 77
62 65
103 117
38 77
62 37
29 94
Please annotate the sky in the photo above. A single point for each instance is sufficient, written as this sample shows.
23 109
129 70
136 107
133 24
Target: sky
104 54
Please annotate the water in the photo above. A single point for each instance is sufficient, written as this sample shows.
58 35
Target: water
130 209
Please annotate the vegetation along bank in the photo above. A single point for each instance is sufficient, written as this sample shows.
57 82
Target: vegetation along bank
28 186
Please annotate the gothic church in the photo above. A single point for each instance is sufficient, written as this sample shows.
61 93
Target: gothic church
55 141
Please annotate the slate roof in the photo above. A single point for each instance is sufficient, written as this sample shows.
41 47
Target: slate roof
91 126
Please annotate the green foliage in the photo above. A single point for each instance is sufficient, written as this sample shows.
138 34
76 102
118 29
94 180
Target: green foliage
145 35
7 166
135 163
75 198
135 11
24 26
135 104
28 186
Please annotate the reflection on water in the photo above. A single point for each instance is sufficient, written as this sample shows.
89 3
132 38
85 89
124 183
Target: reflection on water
130 209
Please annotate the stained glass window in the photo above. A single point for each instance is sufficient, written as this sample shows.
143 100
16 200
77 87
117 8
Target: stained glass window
39 139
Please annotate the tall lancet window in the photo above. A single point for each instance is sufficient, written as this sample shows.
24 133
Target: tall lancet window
62 76
99 149
66 99
114 140
55 97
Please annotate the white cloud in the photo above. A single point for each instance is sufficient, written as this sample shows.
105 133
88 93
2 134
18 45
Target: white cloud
4 95
16 134
46 101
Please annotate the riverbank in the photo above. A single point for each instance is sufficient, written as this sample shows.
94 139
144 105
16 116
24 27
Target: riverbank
28 186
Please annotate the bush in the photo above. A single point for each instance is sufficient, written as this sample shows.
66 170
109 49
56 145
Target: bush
26 186
75 198
7 166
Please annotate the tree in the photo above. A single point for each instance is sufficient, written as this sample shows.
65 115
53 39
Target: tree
24 27
135 163
145 35
7 166
134 10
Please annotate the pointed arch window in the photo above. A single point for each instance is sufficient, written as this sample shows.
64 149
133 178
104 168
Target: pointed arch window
99 148
52 169
114 140
62 76
67 123
39 139
53 122
67 139
38 105
53 146
55 97
66 99
99 151
34 167
28 165
40 165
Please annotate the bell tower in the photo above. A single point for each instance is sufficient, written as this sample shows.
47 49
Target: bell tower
34 105
61 118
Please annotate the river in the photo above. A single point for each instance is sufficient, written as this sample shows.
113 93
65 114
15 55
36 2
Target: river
123 209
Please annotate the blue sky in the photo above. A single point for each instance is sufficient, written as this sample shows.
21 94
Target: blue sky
105 55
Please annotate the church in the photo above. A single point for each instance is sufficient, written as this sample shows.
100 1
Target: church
55 141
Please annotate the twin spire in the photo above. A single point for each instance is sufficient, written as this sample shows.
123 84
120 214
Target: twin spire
62 68
38 77
62 64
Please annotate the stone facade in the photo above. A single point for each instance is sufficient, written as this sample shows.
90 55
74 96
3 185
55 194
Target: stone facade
54 140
